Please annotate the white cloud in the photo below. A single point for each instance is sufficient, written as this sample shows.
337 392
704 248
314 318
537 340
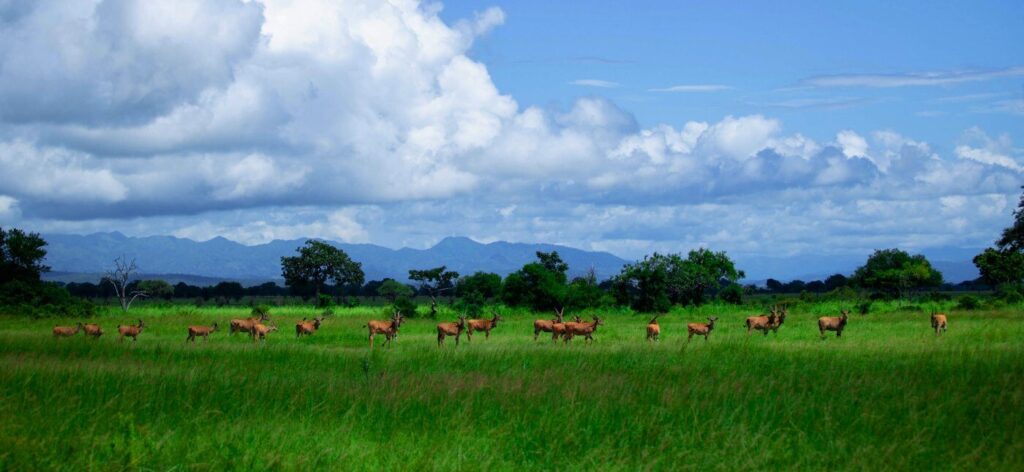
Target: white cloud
9 211
693 88
913 79
595 83
852 143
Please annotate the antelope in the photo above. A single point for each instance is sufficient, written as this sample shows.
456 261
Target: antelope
547 325
701 329
307 327
450 329
558 329
66 331
833 323
779 319
259 331
93 330
939 323
762 322
484 325
583 329
203 331
130 331
245 324
653 330
388 328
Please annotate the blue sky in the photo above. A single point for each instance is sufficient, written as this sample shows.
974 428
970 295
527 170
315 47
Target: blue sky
798 129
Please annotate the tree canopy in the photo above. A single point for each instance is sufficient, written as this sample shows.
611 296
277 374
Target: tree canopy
1004 264
21 256
896 273
316 264
434 282
662 280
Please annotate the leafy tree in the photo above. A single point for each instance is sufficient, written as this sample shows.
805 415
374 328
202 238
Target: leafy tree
485 284
232 290
1012 238
732 293
434 282
391 289
773 285
535 286
896 273
156 288
21 256
318 263
659 281
1000 266
553 262
835 281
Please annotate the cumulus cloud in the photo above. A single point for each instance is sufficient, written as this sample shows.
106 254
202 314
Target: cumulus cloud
274 119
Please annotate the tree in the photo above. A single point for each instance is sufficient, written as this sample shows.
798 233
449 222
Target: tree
999 267
156 288
21 256
659 281
1005 263
391 289
232 290
318 263
896 273
119 278
486 284
434 282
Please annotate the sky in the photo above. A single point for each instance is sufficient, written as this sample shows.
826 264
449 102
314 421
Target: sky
781 129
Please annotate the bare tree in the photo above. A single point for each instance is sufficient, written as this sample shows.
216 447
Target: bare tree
119 279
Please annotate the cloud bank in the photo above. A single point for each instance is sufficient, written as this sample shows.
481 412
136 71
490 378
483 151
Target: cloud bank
368 121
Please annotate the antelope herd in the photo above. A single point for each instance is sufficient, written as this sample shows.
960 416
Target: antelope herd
258 330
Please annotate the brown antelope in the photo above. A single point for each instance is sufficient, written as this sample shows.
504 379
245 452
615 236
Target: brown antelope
388 328
484 325
939 323
450 329
547 325
653 330
308 327
66 331
203 331
762 323
701 329
779 319
833 323
259 331
244 325
129 331
93 330
572 329
558 329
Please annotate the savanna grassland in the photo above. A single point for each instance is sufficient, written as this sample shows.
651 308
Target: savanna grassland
887 395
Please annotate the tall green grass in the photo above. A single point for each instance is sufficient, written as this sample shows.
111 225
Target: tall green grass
887 395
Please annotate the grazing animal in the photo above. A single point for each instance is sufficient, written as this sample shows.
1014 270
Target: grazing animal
308 327
203 331
762 323
259 331
130 331
701 329
573 329
558 329
66 331
245 325
779 319
833 323
93 330
547 325
484 325
653 330
388 328
451 329
939 323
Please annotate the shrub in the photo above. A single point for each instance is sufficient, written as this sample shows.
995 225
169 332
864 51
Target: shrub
913 308
260 310
733 294
324 301
936 297
406 306
864 307
42 300
968 302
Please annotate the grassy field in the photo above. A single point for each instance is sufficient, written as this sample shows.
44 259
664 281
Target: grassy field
887 395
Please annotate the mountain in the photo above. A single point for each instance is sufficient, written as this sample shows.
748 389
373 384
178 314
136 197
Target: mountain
85 257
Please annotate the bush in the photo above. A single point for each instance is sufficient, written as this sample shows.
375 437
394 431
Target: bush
324 301
260 310
936 297
864 307
913 308
406 306
1009 293
842 294
42 300
733 294
968 302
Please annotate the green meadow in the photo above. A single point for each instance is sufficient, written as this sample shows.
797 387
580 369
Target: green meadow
887 395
